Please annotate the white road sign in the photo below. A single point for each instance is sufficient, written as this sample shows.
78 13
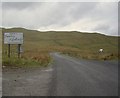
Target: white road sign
13 38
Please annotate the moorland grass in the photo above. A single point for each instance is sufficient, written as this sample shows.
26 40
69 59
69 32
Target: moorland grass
38 45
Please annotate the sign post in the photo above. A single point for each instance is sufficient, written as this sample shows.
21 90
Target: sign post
9 50
19 45
13 38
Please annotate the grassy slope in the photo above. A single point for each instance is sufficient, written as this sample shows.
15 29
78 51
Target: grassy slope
0 46
37 44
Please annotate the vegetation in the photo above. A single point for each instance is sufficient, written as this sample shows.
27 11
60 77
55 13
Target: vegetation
37 46
0 46
35 61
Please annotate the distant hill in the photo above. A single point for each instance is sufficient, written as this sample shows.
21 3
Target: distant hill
79 44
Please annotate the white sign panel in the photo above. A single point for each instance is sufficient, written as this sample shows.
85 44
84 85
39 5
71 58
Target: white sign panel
13 38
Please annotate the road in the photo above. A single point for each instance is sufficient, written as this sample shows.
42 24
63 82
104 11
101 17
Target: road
73 77
0 74
66 77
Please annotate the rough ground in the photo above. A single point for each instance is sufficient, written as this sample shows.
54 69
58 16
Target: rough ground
26 82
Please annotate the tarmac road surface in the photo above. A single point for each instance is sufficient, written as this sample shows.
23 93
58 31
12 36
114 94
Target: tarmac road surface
73 77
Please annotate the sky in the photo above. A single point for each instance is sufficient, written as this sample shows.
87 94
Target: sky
99 17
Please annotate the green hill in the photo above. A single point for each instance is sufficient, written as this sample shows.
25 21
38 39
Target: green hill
77 44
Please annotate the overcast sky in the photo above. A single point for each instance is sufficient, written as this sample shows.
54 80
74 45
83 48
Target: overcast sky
76 16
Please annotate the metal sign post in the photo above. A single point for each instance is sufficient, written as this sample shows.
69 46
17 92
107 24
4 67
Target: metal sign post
9 50
19 45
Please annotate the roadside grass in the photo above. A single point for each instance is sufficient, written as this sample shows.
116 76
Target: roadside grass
43 58
38 46
29 57
93 56
0 48
26 60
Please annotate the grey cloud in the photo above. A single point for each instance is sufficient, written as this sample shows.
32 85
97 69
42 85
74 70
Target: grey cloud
63 14
66 13
101 27
81 9
19 5
0 13
106 28
119 18
57 15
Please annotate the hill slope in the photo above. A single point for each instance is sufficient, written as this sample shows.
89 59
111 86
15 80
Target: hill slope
78 44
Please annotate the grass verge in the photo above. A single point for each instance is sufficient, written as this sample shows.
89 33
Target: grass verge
27 61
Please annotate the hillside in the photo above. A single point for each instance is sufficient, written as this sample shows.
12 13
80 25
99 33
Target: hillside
73 43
